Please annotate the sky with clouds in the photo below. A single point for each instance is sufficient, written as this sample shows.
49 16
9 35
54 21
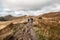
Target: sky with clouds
28 7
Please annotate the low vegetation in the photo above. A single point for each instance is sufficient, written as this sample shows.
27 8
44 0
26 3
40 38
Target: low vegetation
46 27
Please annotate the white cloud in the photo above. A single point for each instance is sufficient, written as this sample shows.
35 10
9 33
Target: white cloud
51 8
24 4
22 7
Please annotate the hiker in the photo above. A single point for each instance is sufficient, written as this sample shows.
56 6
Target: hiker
30 20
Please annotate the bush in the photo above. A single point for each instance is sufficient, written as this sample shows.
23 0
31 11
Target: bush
2 19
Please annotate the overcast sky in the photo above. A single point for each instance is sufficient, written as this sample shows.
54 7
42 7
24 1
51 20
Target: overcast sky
28 7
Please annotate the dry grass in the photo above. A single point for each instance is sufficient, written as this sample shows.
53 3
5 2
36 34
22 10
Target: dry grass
46 27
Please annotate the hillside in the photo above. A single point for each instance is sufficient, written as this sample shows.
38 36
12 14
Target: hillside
46 27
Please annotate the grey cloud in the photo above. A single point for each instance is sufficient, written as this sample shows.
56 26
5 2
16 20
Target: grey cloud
25 4
38 8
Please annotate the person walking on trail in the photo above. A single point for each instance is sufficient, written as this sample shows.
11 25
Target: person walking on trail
30 20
